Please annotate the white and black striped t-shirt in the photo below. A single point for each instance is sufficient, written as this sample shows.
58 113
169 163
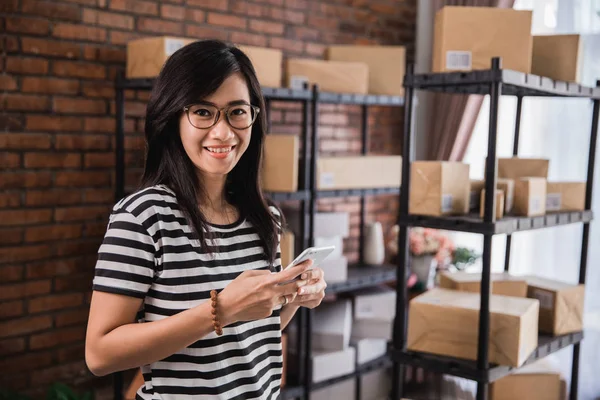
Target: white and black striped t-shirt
149 252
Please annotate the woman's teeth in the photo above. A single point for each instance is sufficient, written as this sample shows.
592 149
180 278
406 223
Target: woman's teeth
219 149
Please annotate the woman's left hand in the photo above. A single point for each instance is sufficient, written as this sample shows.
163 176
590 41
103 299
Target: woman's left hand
311 294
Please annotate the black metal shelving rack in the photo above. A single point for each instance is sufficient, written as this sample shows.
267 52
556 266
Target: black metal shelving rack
494 82
359 276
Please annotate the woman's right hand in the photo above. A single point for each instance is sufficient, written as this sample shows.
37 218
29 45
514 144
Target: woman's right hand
254 294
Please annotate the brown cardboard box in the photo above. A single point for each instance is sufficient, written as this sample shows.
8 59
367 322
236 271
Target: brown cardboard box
331 76
530 197
386 65
358 172
136 382
466 38
280 163
284 351
508 187
287 245
267 64
558 57
445 322
439 188
477 186
561 305
146 57
502 284
499 204
516 167
537 381
565 196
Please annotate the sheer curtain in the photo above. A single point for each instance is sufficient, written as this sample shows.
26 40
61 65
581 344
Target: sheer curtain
558 129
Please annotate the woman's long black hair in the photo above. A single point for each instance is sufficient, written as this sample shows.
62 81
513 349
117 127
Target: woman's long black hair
190 74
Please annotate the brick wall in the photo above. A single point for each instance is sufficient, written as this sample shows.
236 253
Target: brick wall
58 61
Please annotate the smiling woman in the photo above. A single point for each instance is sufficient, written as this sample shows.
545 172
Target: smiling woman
198 229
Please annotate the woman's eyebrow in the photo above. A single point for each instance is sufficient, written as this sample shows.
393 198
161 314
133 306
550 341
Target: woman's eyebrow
231 103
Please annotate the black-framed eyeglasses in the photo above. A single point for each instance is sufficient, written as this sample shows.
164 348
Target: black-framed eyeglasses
238 116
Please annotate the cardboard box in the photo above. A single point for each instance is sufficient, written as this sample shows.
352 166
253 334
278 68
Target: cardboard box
530 197
335 269
536 381
359 172
372 329
146 57
327 365
375 385
558 57
502 284
268 64
368 349
466 38
565 196
445 322
508 187
477 186
345 390
439 188
386 65
332 326
287 246
499 204
284 353
279 172
515 167
326 224
375 303
136 382
331 76
561 305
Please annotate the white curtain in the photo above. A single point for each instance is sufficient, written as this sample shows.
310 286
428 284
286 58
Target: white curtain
558 129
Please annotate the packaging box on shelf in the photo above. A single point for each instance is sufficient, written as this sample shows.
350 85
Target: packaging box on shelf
146 57
326 224
439 188
287 244
561 305
284 351
508 187
536 381
565 196
477 186
503 283
372 328
445 322
558 57
268 64
499 204
530 197
280 167
332 326
331 76
375 385
335 269
386 65
518 167
375 303
466 38
358 172
331 364
368 349
342 390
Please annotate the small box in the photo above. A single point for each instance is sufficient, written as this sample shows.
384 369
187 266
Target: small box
499 204
335 269
279 172
502 284
386 65
466 38
345 389
561 305
332 326
267 63
439 188
477 186
530 197
359 172
327 365
368 349
508 187
565 196
445 322
375 303
372 329
146 57
375 385
331 76
558 57
533 382
515 167
326 224
287 244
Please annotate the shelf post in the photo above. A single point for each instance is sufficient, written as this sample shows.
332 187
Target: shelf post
515 153
119 139
363 199
400 322
489 217
586 234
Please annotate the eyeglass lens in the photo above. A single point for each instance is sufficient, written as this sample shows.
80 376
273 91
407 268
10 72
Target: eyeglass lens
204 116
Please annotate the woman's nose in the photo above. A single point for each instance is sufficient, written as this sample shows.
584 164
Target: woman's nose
221 130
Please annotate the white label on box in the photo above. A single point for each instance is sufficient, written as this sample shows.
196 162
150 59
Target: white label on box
298 82
172 45
553 201
458 59
364 310
546 298
327 179
535 204
446 203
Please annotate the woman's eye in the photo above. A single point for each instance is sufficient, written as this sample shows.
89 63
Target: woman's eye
238 111
203 112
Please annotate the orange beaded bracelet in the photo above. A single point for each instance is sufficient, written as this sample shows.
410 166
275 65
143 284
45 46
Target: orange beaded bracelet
213 311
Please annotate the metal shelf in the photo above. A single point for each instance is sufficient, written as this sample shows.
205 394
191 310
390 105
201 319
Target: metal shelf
468 369
474 224
513 83
292 392
356 192
360 99
363 276
285 196
379 363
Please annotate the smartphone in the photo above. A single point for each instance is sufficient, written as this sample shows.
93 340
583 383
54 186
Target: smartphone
316 254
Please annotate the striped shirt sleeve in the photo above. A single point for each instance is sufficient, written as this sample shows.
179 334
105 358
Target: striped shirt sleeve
126 257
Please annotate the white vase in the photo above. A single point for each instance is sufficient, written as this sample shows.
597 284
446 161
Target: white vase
373 244
424 267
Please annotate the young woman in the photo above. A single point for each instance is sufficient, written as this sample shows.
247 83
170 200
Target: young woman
199 224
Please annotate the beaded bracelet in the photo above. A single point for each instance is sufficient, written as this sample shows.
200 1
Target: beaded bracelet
213 311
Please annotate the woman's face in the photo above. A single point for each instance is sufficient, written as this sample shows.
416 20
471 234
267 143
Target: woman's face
216 149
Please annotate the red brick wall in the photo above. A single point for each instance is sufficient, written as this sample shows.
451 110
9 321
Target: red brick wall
58 61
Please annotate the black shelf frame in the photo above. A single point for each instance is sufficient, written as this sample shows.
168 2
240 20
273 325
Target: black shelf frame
359 276
494 82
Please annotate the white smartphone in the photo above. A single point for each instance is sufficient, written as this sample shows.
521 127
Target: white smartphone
316 254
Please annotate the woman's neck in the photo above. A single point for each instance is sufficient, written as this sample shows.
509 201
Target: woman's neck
214 204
